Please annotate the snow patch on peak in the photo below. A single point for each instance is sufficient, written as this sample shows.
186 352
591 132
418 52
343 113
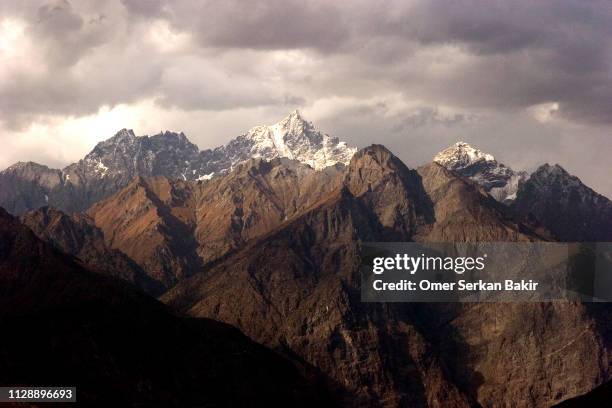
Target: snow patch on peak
278 139
206 176
461 155
294 122
101 168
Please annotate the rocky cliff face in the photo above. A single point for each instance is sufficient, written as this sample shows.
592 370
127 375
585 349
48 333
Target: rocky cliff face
394 193
125 156
113 163
67 325
255 198
24 186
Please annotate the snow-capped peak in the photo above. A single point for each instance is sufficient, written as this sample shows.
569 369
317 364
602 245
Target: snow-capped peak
294 123
461 155
498 180
297 139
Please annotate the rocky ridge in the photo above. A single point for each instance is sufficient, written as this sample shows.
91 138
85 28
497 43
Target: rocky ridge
565 206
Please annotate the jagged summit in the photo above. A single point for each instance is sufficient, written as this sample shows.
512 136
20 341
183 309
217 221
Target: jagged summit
498 180
295 138
23 164
560 181
173 155
123 134
554 170
294 116
461 155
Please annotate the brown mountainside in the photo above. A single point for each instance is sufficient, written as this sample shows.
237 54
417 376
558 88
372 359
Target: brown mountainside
296 289
393 193
77 235
254 199
152 222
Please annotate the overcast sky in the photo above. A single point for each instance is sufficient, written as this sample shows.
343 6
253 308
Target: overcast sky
528 81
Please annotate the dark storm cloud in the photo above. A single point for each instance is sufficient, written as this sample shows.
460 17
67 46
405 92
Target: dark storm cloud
275 24
530 52
523 52
511 54
501 26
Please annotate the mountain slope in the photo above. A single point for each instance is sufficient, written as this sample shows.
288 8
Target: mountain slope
77 235
303 301
66 325
113 163
253 199
563 204
172 228
151 221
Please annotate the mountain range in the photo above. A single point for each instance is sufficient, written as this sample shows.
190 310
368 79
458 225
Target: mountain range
264 233
113 163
